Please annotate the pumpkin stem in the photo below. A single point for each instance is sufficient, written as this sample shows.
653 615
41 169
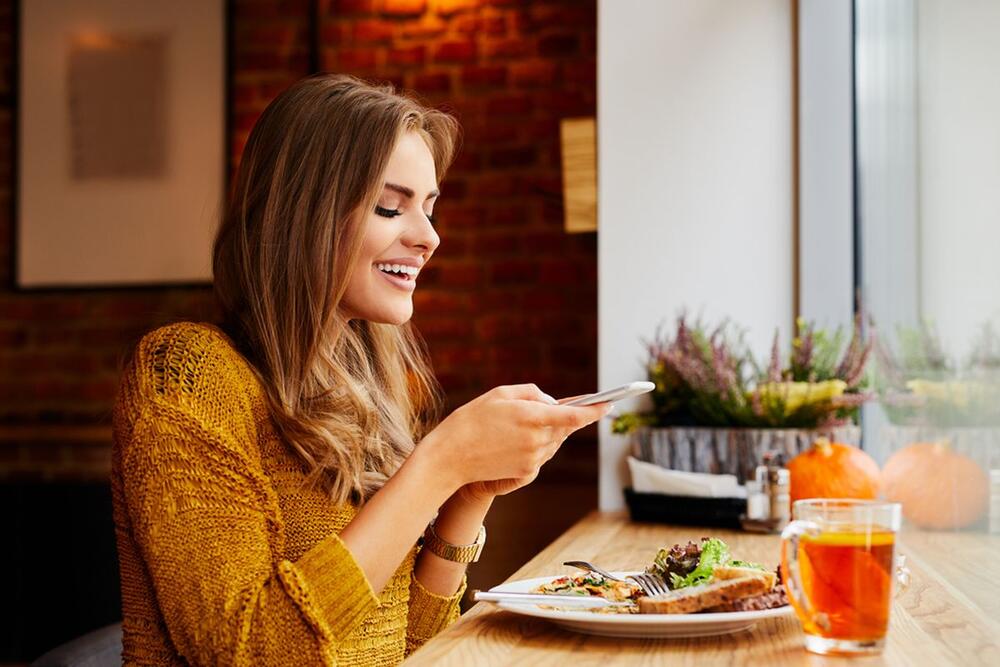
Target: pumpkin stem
823 446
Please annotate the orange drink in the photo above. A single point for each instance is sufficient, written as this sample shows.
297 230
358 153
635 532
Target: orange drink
838 564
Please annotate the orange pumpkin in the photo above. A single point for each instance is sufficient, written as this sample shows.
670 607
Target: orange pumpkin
833 470
938 487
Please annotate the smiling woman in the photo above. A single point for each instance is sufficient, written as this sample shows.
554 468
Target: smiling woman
271 478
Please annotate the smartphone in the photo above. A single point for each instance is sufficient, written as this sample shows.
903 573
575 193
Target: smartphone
616 394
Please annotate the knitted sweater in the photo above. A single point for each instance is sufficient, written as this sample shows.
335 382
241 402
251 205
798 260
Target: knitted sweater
226 556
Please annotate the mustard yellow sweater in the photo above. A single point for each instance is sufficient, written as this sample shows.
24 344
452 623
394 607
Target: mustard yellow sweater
226 556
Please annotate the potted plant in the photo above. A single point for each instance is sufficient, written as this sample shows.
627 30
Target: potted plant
716 409
944 426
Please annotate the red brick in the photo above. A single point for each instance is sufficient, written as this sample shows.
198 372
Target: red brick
508 105
372 31
450 7
545 243
583 72
482 76
245 120
515 355
258 60
501 327
578 15
404 7
456 52
482 25
496 243
436 82
433 304
507 48
333 34
277 36
13 338
428 26
355 59
447 328
513 157
533 74
493 186
513 272
409 55
508 214
244 95
565 272
559 45
465 274
347 7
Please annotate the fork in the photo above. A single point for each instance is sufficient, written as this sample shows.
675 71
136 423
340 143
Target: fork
651 584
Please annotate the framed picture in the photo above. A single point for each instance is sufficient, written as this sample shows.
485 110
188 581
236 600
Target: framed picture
120 141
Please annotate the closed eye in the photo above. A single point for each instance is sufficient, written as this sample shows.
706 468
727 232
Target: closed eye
387 212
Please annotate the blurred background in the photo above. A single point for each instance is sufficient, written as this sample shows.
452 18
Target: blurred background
758 162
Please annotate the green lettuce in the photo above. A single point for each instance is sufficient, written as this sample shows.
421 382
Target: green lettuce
714 553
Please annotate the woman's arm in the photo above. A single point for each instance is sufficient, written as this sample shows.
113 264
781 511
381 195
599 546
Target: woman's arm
505 434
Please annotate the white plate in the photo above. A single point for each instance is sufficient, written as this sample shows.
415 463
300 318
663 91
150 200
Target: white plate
636 625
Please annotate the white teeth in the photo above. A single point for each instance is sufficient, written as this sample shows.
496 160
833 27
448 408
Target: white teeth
398 268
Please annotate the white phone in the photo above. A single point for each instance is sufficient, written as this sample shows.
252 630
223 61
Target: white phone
625 391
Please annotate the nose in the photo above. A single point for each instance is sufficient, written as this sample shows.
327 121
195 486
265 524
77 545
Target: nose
420 233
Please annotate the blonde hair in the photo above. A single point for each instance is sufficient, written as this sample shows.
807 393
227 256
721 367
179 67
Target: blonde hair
351 397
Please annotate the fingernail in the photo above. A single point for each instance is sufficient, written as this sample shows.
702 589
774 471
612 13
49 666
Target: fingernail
549 399
611 411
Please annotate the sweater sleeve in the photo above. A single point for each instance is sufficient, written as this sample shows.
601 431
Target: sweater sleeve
204 523
430 613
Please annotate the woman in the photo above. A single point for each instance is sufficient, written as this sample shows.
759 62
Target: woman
272 477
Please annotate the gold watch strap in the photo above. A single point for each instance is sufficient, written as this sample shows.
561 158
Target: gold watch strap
465 553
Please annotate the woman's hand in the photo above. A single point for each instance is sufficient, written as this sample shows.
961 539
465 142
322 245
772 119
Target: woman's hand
497 442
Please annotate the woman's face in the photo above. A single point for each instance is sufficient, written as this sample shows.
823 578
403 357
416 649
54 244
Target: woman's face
399 237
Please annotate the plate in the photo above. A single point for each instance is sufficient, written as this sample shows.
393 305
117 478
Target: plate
636 625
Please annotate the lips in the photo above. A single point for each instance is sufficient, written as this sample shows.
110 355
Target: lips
402 281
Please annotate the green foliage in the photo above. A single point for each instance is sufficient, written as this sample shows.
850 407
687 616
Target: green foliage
708 377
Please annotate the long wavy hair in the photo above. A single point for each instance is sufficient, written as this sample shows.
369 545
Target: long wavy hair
350 396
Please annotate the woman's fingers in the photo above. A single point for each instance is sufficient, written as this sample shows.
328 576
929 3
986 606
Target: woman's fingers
525 392
568 417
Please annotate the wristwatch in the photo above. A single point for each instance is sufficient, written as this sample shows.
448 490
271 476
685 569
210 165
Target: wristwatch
465 553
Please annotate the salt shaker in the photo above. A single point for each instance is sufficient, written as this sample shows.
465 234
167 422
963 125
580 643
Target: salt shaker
779 499
768 496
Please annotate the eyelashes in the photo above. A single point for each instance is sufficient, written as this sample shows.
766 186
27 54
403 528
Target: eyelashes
387 212
395 212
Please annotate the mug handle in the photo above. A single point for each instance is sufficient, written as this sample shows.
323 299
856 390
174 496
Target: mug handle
792 575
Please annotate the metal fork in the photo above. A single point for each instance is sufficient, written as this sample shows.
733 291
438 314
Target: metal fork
651 584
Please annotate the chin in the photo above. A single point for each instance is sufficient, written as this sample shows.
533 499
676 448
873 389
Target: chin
396 316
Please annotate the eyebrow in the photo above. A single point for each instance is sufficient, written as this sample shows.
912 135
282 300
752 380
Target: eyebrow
407 192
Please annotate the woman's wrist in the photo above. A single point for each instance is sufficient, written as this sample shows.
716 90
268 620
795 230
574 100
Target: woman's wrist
461 517
428 457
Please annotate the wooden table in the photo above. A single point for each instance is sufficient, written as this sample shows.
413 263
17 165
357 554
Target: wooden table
950 614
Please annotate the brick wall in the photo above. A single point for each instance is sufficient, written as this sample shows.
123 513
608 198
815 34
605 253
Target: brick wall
509 296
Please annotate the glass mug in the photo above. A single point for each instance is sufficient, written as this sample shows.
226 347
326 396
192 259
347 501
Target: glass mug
839 567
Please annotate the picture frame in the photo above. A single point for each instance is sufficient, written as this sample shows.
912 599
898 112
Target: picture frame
120 140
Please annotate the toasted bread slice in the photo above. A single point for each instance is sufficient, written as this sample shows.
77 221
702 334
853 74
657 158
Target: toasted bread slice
722 573
697 598
776 597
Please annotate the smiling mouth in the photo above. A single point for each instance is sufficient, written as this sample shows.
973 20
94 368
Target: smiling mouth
398 271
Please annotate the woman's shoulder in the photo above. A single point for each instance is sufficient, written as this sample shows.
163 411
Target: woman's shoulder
193 365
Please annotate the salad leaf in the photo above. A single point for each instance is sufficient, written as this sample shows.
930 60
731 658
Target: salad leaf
746 563
714 553
679 559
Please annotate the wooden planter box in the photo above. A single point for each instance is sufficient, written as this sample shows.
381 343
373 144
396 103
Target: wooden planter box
735 451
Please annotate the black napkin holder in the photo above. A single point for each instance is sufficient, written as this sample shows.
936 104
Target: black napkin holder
685 510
